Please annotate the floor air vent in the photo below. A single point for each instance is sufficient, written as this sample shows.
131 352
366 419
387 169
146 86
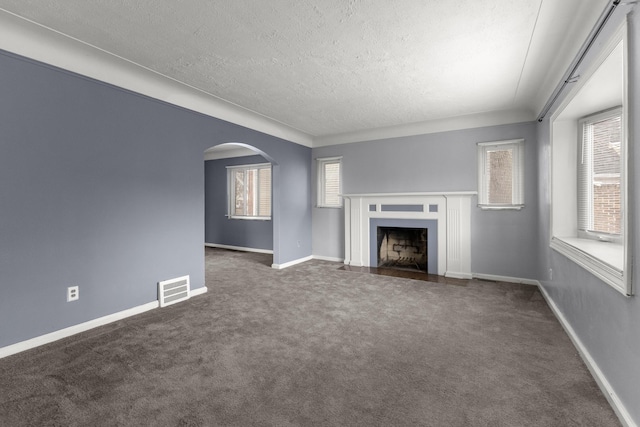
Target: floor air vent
173 290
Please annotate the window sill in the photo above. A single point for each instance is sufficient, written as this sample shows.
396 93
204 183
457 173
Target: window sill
603 259
501 207
329 207
251 218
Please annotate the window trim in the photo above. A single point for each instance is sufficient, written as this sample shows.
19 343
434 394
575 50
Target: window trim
321 193
608 261
517 178
592 118
231 191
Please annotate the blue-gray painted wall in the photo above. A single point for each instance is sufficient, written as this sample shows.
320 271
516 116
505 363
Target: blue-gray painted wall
605 321
104 189
503 242
219 229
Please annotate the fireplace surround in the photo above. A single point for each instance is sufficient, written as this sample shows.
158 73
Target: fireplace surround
447 216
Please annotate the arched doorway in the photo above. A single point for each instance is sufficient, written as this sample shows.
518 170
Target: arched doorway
224 227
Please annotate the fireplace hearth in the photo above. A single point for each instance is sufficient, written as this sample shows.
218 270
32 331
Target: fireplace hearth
402 248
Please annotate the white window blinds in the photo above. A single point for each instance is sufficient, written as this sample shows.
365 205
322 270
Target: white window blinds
329 182
599 173
501 174
250 191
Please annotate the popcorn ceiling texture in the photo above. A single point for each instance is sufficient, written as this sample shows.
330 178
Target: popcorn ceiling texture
335 66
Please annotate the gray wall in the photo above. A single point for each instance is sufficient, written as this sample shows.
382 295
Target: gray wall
255 234
606 322
104 189
503 242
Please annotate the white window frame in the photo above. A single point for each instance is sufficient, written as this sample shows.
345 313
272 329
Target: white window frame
231 191
593 118
607 259
517 174
320 163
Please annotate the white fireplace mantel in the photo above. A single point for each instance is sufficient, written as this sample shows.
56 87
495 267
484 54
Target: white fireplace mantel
451 210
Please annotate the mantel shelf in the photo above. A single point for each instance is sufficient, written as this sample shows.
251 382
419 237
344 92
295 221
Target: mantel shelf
423 194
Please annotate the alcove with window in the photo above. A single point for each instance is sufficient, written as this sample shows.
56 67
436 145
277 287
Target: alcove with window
589 197
239 198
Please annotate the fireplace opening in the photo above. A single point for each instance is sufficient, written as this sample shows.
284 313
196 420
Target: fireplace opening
403 248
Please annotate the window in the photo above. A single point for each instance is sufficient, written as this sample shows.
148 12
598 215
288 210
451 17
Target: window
500 174
589 191
599 179
249 191
329 182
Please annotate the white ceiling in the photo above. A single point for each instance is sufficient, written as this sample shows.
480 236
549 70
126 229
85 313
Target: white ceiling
331 68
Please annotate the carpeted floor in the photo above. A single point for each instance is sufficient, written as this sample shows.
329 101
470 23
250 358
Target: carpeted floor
313 345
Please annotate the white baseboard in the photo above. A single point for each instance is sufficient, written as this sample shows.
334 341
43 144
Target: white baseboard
75 329
505 279
81 327
198 291
598 375
290 263
328 258
239 248
455 275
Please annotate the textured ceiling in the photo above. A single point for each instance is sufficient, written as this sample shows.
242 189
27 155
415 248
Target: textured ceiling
329 67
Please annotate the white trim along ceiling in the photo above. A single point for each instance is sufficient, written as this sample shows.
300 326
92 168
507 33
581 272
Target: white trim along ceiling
317 72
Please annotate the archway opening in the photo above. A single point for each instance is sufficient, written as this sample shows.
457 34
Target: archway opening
240 202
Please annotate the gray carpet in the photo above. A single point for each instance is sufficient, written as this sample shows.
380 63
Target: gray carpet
313 345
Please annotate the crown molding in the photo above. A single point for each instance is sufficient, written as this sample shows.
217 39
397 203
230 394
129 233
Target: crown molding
31 40
491 118
26 38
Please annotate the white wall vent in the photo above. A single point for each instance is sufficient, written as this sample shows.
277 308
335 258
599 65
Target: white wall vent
173 290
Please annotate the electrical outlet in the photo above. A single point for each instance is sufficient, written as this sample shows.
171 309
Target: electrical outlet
551 274
73 293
